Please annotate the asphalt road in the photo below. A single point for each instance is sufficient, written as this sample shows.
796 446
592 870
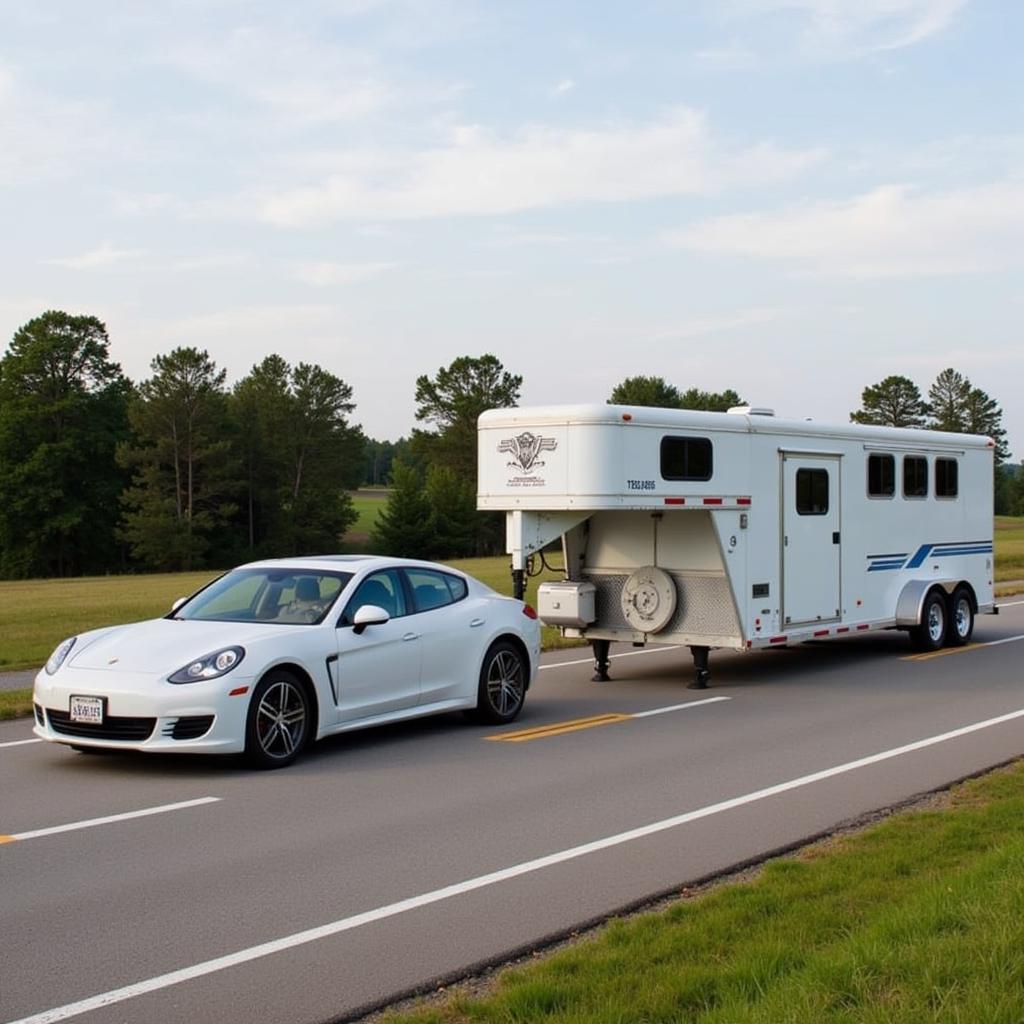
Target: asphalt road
389 858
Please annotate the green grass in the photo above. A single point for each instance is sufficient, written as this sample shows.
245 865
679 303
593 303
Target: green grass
917 920
1009 544
367 504
15 704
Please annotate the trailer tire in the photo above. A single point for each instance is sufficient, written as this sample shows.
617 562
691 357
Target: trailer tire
930 633
961 618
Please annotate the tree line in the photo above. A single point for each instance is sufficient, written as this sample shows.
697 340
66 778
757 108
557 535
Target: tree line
180 471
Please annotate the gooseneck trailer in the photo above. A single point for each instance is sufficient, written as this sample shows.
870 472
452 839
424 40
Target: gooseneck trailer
741 530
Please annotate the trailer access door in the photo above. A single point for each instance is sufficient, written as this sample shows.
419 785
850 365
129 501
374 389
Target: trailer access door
810 538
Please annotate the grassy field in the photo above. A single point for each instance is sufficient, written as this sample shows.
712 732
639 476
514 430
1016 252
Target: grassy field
1009 538
916 920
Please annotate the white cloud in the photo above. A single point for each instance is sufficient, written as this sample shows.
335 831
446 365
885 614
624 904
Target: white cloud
478 172
719 323
840 28
891 231
564 86
295 75
104 255
326 273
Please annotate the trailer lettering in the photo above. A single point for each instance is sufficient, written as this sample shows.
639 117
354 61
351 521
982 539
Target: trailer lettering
640 485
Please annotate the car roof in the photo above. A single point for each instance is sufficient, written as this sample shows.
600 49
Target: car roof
353 563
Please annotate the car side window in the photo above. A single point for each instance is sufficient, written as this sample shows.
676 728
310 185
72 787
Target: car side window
430 589
383 589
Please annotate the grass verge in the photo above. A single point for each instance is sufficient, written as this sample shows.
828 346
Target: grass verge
915 920
1009 548
15 704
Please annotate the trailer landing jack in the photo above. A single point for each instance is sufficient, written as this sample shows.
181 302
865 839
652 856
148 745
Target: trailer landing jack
600 660
700 667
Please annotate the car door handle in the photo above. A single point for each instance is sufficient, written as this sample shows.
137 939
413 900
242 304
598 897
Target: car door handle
411 636
477 622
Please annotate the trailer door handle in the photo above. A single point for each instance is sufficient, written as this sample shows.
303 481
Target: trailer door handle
835 537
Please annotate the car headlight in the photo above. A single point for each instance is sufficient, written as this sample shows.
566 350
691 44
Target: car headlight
210 666
60 655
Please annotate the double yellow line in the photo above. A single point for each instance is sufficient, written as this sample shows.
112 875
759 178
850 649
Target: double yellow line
541 732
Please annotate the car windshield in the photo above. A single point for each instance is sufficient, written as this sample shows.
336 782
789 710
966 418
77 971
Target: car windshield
294 597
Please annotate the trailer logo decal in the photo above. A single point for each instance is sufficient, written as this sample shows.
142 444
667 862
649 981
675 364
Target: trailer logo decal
525 449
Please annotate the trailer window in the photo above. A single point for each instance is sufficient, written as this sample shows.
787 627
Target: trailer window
812 492
686 458
946 483
881 476
915 476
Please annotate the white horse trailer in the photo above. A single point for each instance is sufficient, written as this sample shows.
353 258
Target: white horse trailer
740 530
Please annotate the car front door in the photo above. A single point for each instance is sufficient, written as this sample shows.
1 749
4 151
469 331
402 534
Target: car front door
377 669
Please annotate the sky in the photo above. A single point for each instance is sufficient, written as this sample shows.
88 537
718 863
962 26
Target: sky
791 198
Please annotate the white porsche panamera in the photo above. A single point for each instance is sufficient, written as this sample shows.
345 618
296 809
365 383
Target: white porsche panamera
276 654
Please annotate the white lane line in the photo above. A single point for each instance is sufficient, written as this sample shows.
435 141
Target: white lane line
678 707
624 654
345 924
1009 604
18 743
1005 640
74 826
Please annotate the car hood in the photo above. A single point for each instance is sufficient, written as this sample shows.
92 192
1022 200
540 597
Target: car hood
162 646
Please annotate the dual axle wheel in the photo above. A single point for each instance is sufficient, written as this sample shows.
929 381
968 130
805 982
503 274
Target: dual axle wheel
944 621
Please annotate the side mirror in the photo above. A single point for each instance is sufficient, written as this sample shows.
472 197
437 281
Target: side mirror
369 615
177 604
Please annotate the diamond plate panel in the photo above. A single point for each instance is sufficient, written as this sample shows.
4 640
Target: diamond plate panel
704 605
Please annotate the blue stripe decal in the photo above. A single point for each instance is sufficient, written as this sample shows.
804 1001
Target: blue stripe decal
919 556
884 563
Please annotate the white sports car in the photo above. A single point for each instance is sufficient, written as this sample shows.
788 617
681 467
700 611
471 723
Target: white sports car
275 654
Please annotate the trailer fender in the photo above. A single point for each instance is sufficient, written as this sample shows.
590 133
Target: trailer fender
910 606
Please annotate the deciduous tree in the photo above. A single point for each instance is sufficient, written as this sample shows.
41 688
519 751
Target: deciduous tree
646 391
62 413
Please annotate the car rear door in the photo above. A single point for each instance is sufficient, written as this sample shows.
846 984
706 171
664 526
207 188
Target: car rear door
450 626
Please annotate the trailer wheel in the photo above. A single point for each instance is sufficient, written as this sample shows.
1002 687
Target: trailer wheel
961 618
930 634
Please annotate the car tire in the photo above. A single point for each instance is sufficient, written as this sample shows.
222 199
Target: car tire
930 633
961 618
503 678
279 722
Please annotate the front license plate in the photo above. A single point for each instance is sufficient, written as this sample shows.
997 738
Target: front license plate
87 709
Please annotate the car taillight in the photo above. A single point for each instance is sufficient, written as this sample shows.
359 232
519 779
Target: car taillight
529 612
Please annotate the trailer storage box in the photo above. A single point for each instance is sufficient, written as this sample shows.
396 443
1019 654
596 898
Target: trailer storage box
566 604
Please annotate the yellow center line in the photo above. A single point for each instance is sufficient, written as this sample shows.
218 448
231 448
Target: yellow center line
541 732
928 655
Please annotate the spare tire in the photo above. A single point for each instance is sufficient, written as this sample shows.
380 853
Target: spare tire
649 599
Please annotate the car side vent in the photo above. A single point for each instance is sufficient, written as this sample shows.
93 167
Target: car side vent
188 727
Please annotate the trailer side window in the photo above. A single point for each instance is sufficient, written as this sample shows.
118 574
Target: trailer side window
946 483
686 458
812 492
915 476
881 476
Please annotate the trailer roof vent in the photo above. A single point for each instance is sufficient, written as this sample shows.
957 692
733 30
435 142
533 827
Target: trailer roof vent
752 410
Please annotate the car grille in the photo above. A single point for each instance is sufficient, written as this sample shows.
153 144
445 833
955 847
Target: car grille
113 728
188 727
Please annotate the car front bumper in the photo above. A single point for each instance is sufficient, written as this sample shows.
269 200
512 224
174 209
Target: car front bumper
144 713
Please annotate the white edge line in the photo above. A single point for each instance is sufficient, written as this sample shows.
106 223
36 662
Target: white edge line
18 743
1009 604
679 707
448 892
625 654
110 818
